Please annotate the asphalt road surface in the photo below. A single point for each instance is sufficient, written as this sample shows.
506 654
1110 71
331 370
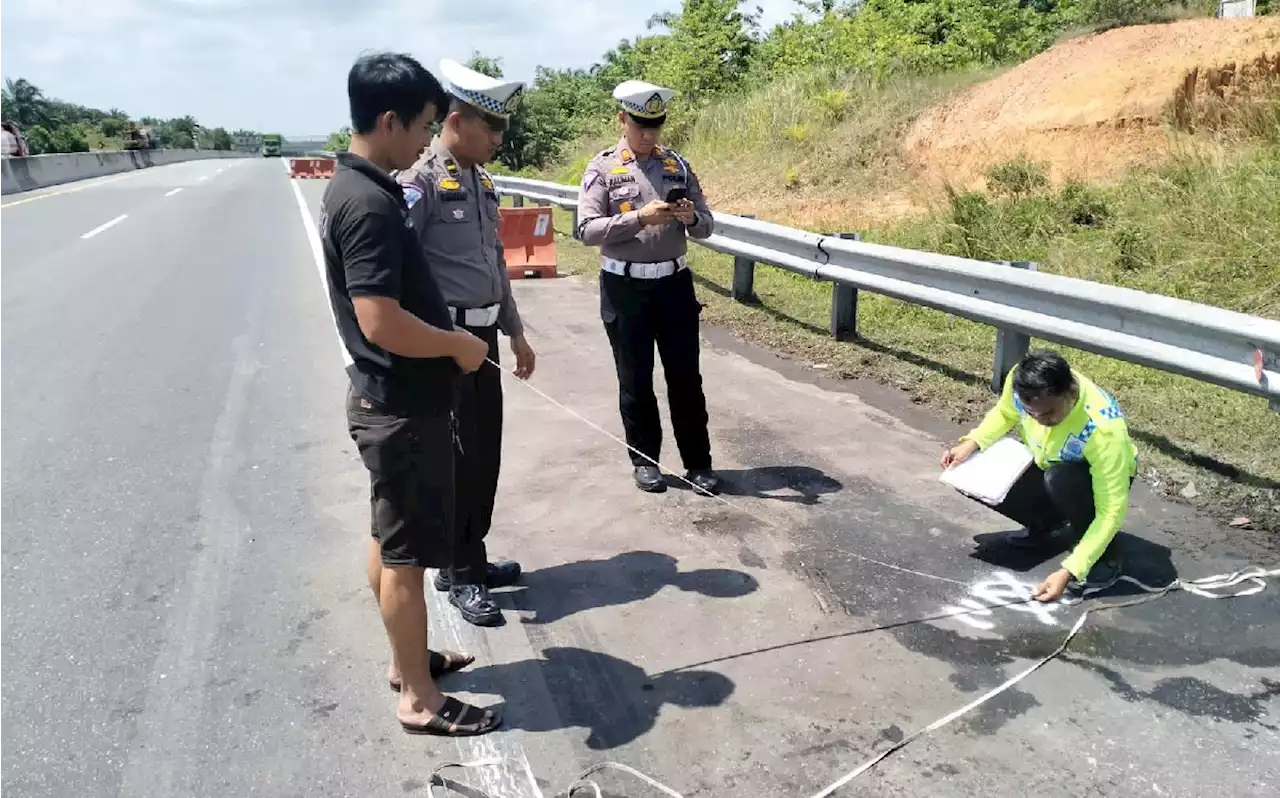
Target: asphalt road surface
184 607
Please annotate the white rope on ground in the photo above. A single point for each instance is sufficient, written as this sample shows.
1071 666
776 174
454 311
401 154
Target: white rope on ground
583 781
1205 587
750 513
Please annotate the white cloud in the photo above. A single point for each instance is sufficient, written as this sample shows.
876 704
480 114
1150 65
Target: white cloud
281 64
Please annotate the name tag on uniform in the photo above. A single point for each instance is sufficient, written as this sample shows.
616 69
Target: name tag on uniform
617 180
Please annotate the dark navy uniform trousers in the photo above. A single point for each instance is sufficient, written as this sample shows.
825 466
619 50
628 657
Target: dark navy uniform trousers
638 314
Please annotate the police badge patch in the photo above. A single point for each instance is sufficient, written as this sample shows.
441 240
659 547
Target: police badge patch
411 194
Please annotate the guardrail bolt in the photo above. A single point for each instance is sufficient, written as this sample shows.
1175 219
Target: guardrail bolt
744 276
1011 345
844 303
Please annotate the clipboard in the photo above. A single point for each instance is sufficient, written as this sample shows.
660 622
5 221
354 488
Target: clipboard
989 474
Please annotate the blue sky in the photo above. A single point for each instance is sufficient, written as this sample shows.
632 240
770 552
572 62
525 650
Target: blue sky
280 65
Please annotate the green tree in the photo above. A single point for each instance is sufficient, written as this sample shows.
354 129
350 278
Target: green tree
485 65
339 141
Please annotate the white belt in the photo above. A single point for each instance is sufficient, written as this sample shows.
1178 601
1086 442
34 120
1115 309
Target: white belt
475 317
644 271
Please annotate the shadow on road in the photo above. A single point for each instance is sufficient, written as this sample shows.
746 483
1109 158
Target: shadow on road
613 698
797 484
562 590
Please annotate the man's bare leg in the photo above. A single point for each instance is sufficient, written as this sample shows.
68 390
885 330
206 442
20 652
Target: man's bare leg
373 570
404 606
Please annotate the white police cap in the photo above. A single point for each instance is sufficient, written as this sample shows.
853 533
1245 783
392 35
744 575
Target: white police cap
493 96
643 100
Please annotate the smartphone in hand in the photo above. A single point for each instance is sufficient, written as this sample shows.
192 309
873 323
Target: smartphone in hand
677 194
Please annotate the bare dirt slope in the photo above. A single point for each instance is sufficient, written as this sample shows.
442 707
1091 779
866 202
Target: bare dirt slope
1093 105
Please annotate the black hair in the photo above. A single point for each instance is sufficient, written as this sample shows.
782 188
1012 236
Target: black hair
1042 373
381 82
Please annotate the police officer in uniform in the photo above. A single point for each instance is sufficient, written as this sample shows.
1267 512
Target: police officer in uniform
454 206
638 202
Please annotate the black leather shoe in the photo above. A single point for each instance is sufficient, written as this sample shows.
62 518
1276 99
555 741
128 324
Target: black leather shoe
705 480
476 605
649 479
497 574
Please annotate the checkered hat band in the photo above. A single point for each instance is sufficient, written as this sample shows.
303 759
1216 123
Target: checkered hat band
483 101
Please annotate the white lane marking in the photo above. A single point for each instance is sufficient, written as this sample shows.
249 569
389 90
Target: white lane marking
489 746
202 178
171 193
220 170
81 185
317 254
106 226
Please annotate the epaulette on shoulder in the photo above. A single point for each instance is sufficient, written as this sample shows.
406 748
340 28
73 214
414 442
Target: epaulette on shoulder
605 152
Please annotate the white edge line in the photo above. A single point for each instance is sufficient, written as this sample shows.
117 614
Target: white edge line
171 193
477 747
317 254
106 226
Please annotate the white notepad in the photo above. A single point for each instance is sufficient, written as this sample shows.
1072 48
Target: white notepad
988 475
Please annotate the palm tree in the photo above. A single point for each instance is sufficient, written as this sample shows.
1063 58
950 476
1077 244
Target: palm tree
23 102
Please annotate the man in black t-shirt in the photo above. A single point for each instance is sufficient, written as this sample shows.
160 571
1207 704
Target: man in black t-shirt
405 358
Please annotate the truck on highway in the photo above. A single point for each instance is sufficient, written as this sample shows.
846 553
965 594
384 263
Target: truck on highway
139 138
271 145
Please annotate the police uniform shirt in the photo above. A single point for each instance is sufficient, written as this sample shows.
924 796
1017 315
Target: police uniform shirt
616 185
371 249
455 214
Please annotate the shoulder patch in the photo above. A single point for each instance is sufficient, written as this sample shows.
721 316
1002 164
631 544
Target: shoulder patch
412 193
589 179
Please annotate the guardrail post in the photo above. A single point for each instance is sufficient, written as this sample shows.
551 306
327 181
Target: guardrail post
573 231
1011 346
844 304
517 201
744 276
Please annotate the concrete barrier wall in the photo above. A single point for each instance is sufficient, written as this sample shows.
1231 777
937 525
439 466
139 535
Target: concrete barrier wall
38 171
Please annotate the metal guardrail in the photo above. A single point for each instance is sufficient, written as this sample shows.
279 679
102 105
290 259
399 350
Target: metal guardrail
1210 344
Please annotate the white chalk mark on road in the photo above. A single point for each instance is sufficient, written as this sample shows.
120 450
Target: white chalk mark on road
171 193
106 226
1002 591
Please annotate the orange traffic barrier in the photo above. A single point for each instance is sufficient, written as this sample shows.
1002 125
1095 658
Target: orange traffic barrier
311 167
529 240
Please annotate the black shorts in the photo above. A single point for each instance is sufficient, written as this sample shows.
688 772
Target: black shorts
411 481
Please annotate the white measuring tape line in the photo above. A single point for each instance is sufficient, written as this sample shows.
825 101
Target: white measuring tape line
1205 587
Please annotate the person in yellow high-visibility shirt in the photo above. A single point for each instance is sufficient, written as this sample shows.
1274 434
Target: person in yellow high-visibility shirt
1085 462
